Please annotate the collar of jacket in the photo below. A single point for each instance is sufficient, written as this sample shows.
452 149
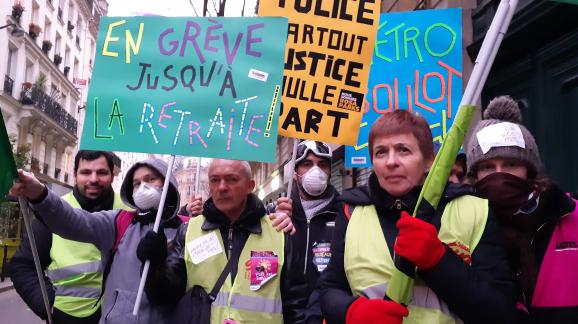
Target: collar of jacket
555 204
250 219
105 202
384 199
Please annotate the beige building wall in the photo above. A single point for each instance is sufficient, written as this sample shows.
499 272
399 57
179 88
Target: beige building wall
41 104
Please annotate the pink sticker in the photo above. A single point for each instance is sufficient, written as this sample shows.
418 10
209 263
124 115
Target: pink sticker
264 267
229 321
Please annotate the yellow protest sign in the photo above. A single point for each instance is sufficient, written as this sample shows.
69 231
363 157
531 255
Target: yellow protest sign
327 63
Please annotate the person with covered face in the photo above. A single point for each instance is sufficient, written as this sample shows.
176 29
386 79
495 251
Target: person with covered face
462 270
314 203
539 221
115 233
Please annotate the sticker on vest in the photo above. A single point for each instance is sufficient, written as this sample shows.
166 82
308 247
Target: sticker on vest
204 247
264 267
229 321
321 255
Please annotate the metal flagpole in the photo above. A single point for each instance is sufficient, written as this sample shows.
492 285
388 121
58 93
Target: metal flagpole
401 283
39 272
147 264
292 164
198 176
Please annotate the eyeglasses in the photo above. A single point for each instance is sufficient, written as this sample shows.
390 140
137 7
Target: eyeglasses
318 148
531 205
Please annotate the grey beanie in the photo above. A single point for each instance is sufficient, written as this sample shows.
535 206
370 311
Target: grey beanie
500 110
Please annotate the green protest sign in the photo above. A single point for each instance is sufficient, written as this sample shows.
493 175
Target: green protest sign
187 86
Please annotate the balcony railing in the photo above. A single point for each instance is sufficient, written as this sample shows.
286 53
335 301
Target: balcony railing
43 102
8 84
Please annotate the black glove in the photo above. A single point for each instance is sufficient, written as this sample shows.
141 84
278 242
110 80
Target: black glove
153 247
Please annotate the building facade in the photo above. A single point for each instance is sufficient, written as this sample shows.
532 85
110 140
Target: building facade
186 173
46 72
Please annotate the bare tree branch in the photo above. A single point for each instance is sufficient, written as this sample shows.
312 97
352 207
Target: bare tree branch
195 10
221 12
205 5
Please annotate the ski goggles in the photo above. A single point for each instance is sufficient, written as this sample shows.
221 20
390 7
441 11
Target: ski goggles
318 148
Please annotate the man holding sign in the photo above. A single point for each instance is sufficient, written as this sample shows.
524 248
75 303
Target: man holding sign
233 235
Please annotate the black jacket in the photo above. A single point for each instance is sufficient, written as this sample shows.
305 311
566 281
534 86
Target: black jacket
167 282
23 272
310 242
480 293
311 234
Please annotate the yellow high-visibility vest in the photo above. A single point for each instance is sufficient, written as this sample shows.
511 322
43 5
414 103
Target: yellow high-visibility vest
368 264
76 271
238 301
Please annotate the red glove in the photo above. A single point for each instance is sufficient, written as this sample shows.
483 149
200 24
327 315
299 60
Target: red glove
366 311
418 242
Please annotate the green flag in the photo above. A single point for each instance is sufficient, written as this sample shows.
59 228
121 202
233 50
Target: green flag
7 166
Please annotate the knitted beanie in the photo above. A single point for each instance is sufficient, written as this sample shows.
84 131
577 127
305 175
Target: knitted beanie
501 135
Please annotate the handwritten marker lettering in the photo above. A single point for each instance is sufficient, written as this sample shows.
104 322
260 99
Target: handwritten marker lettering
230 131
196 133
148 121
267 132
183 113
246 101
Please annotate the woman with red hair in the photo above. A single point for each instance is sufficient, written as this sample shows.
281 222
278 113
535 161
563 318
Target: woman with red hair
463 274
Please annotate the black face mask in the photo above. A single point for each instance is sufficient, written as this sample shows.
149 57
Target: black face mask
512 199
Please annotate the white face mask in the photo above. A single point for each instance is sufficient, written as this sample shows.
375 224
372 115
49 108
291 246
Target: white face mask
314 181
147 196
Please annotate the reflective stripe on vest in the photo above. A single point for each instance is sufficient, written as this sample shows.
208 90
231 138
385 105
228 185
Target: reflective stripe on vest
249 303
82 292
238 302
421 297
368 264
76 271
65 272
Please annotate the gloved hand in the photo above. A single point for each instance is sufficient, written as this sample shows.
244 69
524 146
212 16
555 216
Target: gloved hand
418 242
153 247
365 311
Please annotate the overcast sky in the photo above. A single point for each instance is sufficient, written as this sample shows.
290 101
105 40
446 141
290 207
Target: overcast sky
174 7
